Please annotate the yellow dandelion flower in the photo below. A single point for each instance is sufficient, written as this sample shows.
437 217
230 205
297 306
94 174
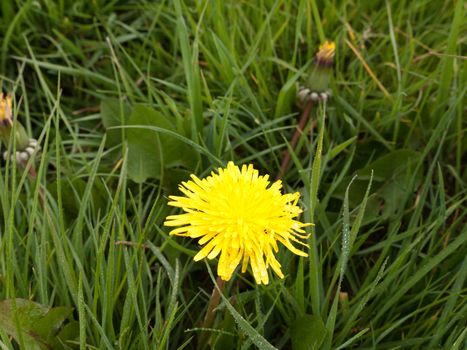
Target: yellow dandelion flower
5 110
326 53
237 214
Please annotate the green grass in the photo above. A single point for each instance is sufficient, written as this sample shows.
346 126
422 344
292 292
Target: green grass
387 266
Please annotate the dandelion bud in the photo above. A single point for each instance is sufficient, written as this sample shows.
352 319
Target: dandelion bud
318 79
25 146
5 111
325 55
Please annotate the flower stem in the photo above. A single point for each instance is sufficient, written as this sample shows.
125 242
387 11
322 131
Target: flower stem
211 312
33 176
296 136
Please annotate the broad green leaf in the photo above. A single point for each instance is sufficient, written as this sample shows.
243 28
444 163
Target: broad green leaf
391 181
307 332
72 191
36 326
394 171
390 164
149 152
52 321
177 175
114 112
17 319
68 332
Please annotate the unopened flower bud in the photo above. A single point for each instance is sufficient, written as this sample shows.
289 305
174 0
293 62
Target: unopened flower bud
5 111
325 55
318 79
8 125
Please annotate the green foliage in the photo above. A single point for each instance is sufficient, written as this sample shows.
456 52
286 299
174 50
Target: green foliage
128 98
150 150
35 326
114 113
307 332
